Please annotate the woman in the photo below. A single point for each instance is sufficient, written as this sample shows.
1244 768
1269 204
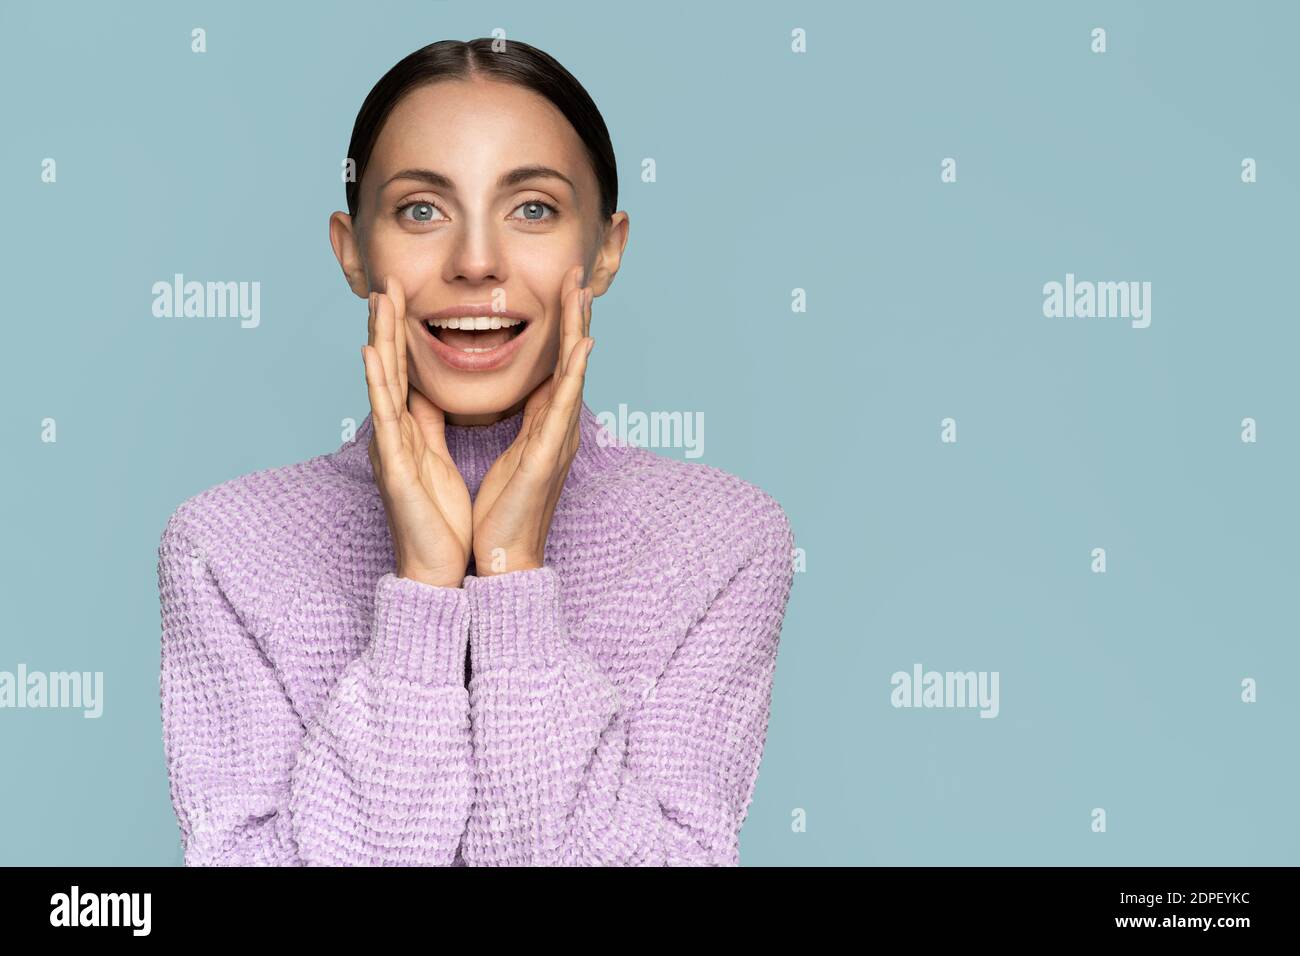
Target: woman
480 632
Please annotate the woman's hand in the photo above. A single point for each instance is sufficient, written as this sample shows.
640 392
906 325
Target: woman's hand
513 508
425 497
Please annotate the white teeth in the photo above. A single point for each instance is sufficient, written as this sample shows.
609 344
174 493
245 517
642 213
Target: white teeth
475 322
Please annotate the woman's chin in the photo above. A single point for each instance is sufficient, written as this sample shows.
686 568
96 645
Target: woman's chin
474 403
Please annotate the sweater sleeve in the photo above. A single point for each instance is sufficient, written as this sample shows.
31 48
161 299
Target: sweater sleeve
380 776
572 771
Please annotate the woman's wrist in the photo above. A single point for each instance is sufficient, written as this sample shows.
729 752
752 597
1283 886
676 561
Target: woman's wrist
432 578
489 565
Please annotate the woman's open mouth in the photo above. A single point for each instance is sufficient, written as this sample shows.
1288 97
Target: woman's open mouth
475 343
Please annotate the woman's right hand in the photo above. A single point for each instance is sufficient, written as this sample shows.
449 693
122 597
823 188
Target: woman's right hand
430 518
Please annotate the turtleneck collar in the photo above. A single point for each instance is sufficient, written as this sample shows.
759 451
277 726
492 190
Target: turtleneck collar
475 447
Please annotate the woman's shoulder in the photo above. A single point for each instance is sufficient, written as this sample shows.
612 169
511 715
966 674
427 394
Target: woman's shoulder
269 500
701 507
260 531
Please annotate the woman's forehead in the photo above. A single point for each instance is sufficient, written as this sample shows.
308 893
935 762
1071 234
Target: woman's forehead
469 124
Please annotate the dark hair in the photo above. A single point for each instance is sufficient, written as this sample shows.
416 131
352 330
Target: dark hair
517 63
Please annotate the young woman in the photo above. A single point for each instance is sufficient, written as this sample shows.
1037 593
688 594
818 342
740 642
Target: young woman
481 632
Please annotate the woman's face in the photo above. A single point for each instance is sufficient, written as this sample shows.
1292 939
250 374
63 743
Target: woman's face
440 211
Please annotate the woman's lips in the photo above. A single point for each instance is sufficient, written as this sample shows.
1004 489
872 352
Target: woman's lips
450 344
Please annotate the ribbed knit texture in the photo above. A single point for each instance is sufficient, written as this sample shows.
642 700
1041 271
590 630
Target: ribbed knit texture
608 708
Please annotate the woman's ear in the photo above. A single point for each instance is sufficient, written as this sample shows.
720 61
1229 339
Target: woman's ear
347 250
610 253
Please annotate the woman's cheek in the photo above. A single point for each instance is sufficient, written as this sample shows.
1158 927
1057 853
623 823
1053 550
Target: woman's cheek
551 352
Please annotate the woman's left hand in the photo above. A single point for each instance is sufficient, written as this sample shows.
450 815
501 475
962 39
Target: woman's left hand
513 508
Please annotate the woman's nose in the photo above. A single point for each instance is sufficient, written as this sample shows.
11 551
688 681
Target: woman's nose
477 256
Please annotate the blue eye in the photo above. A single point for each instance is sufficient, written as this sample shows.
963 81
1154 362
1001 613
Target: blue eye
427 209
537 205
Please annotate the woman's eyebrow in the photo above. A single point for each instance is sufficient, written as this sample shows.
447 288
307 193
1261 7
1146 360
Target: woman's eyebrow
514 177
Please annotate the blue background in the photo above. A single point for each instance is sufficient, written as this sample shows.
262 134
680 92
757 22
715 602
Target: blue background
776 171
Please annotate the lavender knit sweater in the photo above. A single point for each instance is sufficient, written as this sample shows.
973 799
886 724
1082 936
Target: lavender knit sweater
607 708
